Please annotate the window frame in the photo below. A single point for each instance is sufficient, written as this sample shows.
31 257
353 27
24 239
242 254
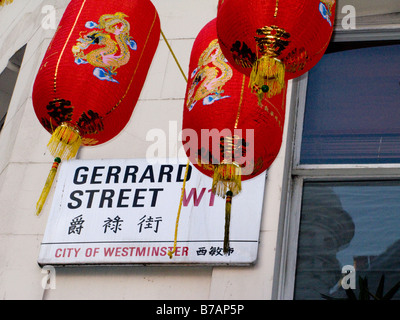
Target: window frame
298 173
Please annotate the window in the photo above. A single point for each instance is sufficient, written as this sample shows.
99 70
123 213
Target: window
8 78
353 107
344 206
352 223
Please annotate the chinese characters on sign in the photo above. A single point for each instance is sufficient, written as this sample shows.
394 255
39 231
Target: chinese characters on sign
213 251
115 224
76 225
149 223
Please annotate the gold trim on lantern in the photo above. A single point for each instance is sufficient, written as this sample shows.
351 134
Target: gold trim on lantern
276 8
65 45
272 40
3 2
65 141
227 176
240 102
267 77
137 66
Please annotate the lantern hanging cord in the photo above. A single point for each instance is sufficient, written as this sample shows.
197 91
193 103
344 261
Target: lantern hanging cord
171 253
173 54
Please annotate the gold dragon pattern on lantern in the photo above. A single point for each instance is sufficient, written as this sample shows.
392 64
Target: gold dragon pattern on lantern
110 42
208 79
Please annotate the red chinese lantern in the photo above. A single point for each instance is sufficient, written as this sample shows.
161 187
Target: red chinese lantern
272 40
92 74
3 2
227 135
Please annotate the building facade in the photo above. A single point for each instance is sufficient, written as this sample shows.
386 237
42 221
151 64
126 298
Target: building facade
309 218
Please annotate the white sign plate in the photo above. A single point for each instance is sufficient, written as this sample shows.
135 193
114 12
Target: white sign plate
123 211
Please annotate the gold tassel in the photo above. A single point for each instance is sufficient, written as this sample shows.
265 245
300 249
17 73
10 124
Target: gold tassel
63 145
3 2
227 183
65 142
47 186
228 205
227 176
267 77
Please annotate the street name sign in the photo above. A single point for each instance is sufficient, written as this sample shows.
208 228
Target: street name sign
123 211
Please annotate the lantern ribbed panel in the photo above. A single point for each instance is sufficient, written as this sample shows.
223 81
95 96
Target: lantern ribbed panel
218 98
95 67
304 21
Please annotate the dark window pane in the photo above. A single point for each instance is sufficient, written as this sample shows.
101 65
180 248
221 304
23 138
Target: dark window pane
348 223
8 79
352 110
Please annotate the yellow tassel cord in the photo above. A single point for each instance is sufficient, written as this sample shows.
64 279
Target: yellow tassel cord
228 205
174 56
47 186
171 253
3 2
267 78
64 145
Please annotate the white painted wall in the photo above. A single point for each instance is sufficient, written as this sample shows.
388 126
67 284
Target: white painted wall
25 161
